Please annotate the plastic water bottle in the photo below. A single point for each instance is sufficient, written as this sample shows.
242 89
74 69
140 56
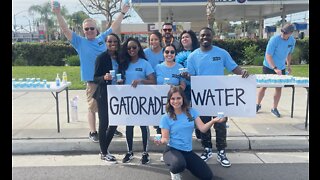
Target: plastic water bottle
74 109
64 78
58 80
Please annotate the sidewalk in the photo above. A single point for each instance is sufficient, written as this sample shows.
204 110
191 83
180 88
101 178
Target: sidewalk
34 126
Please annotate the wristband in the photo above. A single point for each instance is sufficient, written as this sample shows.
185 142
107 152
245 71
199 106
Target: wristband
275 68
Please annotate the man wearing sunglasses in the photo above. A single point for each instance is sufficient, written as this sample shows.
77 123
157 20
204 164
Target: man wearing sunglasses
167 36
88 48
277 56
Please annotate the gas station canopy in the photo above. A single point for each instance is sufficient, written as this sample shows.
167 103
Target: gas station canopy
226 10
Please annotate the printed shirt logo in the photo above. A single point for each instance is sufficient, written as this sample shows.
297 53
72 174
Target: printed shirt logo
138 69
176 76
216 58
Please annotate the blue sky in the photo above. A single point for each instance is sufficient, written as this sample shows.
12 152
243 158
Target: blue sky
20 7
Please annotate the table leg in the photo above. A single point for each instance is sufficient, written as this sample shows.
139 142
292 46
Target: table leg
67 94
307 109
292 102
57 109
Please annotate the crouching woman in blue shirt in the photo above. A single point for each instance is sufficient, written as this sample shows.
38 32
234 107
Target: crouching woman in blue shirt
176 129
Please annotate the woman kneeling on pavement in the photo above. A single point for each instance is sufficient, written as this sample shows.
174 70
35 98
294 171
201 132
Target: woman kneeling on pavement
176 130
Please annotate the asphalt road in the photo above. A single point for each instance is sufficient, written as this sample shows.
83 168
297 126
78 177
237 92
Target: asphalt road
275 166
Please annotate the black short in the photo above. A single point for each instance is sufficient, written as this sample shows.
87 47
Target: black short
267 70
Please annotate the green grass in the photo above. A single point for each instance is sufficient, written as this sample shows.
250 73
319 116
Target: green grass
50 73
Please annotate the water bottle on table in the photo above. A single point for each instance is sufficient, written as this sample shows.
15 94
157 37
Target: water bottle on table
64 78
58 80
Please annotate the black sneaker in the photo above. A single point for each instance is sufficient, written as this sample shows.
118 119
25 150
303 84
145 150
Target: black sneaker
145 158
258 107
275 112
207 154
108 158
222 158
128 157
117 134
94 137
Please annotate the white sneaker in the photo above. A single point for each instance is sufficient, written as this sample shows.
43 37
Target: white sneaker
175 176
161 159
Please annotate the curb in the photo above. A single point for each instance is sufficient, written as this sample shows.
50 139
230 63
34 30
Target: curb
84 145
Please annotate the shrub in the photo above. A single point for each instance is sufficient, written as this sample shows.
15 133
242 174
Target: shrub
252 55
258 60
73 60
296 55
20 62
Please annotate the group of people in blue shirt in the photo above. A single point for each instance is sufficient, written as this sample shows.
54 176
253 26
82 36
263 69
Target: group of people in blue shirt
160 63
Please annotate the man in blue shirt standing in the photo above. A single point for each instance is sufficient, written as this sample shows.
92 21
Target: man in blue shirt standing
88 48
211 60
278 54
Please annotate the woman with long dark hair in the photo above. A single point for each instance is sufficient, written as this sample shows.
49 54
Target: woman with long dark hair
136 70
108 60
177 126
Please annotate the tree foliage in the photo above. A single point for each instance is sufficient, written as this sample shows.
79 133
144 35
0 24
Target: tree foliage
107 8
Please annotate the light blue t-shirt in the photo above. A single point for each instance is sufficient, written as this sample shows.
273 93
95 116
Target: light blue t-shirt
180 130
138 70
88 51
163 71
211 62
153 58
279 49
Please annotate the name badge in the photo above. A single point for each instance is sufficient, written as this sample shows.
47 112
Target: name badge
100 43
138 69
216 58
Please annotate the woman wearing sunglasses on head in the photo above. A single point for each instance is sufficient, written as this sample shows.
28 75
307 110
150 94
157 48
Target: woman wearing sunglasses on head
88 48
136 70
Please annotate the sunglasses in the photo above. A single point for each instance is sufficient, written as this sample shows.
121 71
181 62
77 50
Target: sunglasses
285 32
91 28
132 47
112 42
171 52
165 30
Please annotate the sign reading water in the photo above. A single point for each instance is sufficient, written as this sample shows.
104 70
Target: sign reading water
233 95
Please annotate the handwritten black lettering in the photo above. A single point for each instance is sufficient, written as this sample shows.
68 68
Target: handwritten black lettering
131 105
231 97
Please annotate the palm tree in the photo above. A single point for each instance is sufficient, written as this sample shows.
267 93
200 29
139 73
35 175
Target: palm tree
45 13
211 9
76 20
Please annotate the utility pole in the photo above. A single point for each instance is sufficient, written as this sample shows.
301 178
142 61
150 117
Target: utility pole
14 20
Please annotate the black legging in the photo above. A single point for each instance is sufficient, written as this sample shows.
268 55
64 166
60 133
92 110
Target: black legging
129 137
105 133
178 160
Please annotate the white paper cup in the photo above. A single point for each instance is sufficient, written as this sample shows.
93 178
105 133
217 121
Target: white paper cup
157 137
220 114
118 77
113 73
